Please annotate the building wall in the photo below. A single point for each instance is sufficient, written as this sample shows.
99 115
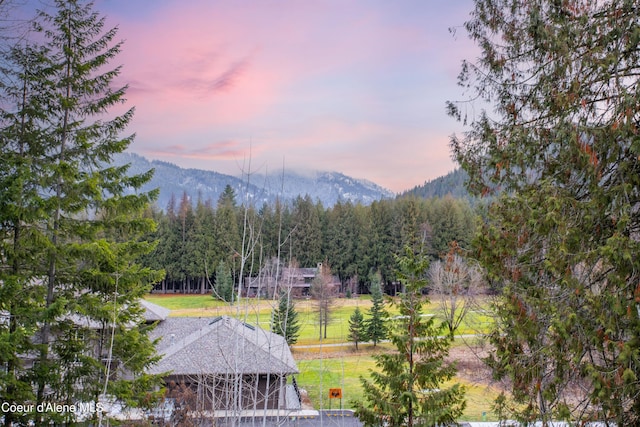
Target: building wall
219 393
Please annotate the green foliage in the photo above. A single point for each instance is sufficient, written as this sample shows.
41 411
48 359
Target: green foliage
357 327
228 197
340 239
227 232
284 319
71 239
377 316
203 247
450 220
355 239
452 184
407 388
306 237
562 141
223 286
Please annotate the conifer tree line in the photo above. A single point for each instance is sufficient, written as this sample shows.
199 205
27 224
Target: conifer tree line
355 240
70 239
561 138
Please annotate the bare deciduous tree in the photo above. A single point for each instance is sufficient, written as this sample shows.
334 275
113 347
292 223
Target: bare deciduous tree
457 283
323 292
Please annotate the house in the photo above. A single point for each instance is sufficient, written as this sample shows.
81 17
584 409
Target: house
298 280
220 366
217 367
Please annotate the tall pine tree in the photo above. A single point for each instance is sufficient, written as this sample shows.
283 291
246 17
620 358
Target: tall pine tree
284 319
376 322
357 328
223 285
22 146
407 387
74 282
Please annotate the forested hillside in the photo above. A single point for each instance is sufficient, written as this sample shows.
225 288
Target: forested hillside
355 240
452 184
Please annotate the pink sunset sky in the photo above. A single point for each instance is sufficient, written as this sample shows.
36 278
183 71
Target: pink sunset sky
353 86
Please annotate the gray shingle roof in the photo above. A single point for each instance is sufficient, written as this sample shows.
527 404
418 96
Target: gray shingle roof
220 345
154 312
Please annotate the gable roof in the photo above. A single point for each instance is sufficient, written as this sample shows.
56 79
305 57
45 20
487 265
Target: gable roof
154 312
219 345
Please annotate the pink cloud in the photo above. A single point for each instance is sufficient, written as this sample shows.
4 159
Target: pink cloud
366 150
228 79
205 76
223 150
211 48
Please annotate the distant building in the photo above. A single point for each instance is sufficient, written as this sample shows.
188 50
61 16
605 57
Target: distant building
272 280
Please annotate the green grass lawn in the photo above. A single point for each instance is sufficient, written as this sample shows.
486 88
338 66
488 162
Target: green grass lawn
182 302
258 312
317 376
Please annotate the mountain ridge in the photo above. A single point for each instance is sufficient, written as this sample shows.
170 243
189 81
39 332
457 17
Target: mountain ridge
207 185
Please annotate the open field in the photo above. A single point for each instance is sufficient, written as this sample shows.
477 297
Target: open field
331 367
258 312
325 364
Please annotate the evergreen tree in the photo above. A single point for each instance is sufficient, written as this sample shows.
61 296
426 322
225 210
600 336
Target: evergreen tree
363 260
72 290
168 249
357 327
227 197
284 319
410 225
407 388
203 244
562 80
340 240
306 236
451 220
307 232
376 323
382 239
227 230
223 286
187 255
21 298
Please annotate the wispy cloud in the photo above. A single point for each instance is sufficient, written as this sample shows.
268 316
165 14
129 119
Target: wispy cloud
229 78
358 87
221 150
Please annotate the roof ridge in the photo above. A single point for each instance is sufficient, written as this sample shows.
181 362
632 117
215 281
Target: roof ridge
199 333
250 342
189 339
273 341
149 307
